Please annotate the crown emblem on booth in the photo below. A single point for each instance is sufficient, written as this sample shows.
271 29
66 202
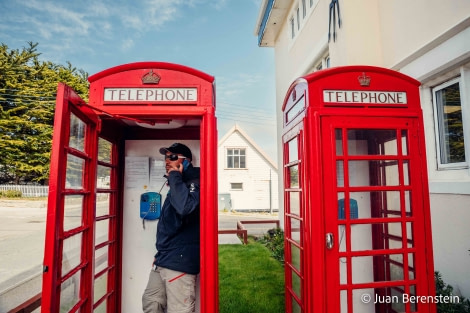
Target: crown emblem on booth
151 78
364 80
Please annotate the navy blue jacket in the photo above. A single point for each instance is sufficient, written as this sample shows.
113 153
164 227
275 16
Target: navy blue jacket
178 227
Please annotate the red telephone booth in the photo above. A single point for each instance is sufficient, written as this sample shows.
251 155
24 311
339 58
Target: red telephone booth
105 156
357 217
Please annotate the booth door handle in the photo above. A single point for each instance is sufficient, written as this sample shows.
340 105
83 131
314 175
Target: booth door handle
329 241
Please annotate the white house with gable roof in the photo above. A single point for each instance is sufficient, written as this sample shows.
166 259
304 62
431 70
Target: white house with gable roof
248 178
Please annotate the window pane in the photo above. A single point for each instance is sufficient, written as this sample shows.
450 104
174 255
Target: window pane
293 150
294 176
104 177
100 288
77 133
294 201
450 124
104 150
101 259
70 292
102 231
71 253
74 172
73 211
102 204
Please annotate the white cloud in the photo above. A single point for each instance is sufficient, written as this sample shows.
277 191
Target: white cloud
127 44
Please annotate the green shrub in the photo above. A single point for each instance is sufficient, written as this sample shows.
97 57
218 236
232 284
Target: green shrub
11 194
462 306
274 241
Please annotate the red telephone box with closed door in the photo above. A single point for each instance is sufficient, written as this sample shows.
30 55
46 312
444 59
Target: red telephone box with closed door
105 156
357 217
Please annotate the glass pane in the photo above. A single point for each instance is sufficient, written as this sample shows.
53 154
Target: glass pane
406 173
296 256
102 231
74 172
388 299
101 308
103 178
377 204
70 292
409 234
101 259
404 142
372 142
373 268
71 253
295 229
344 301
450 123
339 141
242 162
340 173
363 300
295 306
102 204
387 236
294 176
293 150
408 206
373 173
342 238
77 133
343 266
104 150
73 211
100 288
296 109
296 284
411 266
294 201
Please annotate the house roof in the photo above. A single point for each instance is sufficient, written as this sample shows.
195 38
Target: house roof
237 128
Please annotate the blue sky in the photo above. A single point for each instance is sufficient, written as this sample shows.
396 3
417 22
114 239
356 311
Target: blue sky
214 36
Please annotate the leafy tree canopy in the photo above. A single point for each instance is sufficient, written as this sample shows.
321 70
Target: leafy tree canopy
28 88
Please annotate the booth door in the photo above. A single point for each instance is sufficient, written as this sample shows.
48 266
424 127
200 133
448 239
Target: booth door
69 277
294 220
374 229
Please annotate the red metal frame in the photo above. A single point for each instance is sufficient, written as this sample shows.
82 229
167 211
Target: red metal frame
67 103
314 122
111 116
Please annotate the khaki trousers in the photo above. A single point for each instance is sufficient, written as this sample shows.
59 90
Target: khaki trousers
170 290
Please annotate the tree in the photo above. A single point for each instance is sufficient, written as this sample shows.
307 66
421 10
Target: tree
27 101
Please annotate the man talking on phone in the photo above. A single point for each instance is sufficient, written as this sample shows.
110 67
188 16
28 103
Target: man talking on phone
172 280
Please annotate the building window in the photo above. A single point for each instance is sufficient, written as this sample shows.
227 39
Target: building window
292 27
304 9
298 18
311 3
236 158
236 186
449 125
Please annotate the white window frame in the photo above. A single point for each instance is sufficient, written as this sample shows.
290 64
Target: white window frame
437 129
233 156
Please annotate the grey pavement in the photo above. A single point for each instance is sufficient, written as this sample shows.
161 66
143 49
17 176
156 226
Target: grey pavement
22 233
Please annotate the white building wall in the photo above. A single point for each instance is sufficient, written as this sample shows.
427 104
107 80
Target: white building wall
428 40
256 178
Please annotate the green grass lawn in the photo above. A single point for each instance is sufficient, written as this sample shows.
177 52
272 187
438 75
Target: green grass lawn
250 280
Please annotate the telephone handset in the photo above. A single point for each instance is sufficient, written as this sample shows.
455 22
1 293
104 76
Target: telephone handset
185 164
